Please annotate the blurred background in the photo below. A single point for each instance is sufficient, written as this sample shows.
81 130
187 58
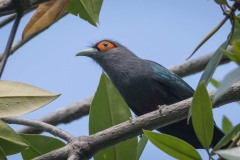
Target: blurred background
163 31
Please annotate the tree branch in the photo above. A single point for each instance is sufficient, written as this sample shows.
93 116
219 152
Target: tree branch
40 125
86 147
63 115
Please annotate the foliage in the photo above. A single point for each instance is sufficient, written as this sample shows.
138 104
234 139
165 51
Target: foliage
214 82
226 125
39 145
173 146
10 141
226 83
213 63
141 145
19 98
202 117
108 109
228 137
231 154
45 15
86 9
49 12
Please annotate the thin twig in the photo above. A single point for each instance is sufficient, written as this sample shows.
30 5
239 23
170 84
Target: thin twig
226 3
8 7
7 20
10 42
13 16
21 42
227 16
63 115
40 125
209 155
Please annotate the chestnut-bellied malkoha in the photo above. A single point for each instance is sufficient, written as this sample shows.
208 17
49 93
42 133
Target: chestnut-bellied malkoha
144 85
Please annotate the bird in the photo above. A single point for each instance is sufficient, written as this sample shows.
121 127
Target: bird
144 85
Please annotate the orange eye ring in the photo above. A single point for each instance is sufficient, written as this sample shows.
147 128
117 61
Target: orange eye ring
105 45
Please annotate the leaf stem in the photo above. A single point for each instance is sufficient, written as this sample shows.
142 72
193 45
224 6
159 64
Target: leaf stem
209 155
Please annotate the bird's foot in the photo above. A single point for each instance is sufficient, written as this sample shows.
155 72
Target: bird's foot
160 107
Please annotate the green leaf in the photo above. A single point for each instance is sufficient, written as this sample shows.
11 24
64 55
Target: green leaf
108 109
226 83
227 138
236 47
226 125
202 117
236 30
214 82
207 37
232 56
173 146
88 10
141 145
220 2
2 155
231 154
235 55
19 98
213 63
39 145
10 141
189 114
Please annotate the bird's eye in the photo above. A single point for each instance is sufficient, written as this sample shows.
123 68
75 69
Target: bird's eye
105 45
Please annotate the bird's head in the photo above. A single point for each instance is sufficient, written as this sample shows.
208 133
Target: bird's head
107 51
115 59
98 49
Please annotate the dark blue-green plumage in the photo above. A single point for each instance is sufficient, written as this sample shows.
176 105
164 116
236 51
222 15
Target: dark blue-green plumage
146 84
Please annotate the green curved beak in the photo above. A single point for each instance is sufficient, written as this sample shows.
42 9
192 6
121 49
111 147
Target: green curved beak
87 52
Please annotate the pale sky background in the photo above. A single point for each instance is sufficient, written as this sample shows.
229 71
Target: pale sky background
163 31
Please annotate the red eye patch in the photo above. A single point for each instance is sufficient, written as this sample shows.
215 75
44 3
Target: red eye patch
105 45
